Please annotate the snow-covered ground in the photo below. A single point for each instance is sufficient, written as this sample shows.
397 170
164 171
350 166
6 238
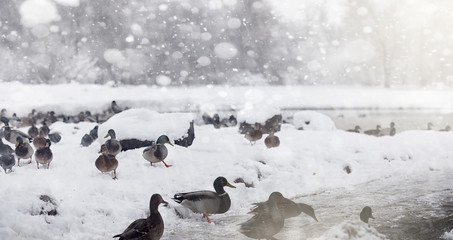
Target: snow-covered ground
93 206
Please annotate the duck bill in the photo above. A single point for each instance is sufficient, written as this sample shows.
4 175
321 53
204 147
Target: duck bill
164 203
229 185
372 217
170 143
17 144
108 135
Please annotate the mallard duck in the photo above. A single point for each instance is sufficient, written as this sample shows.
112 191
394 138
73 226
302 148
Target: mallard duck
44 128
55 137
268 222
33 130
356 129
151 228
115 108
7 160
113 145
287 207
374 132
51 117
106 162
446 129
11 135
40 141
88 138
44 155
157 152
391 131
254 134
272 141
23 150
366 214
207 202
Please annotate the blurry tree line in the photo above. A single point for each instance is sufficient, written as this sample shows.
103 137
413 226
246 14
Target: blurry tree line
369 42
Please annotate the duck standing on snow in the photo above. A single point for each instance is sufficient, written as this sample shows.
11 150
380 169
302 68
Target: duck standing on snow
40 141
157 152
33 130
151 228
272 141
7 159
44 155
374 132
356 129
254 134
44 128
287 207
106 162
23 150
11 135
366 214
207 202
113 145
266 223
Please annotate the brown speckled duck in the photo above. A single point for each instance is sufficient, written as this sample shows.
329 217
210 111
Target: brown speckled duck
356 129
254 134
374 132
272 141
23 150
207 202
44 155
151 228
106 162
33 130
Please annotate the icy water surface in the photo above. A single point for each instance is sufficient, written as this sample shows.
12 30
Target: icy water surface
405 207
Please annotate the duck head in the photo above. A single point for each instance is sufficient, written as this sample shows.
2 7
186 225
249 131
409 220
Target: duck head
111 133
155 200
48 143
164 139
366 214
221 182
19 141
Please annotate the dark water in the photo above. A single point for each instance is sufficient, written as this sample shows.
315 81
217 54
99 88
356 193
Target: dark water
418 207
410 207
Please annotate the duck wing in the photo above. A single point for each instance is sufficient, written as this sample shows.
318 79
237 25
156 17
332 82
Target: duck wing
135 230
199 201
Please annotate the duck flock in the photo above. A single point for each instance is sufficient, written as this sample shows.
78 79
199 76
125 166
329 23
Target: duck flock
267 218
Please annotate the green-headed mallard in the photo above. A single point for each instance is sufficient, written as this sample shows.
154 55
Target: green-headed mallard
113 145
106 162
157 152
11 135
366 214
23 150
272 141
44 155
7 160
115 108
254 134
287 207
356 129
374 132
151 228
33 131
268 222
207 202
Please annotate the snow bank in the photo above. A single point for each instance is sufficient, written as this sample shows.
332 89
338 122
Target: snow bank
311 120
145 124
352 230
448 235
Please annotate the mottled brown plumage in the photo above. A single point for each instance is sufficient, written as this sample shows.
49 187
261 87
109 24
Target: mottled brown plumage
151 228
23 150
106 162
254 134
44 155
272 141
